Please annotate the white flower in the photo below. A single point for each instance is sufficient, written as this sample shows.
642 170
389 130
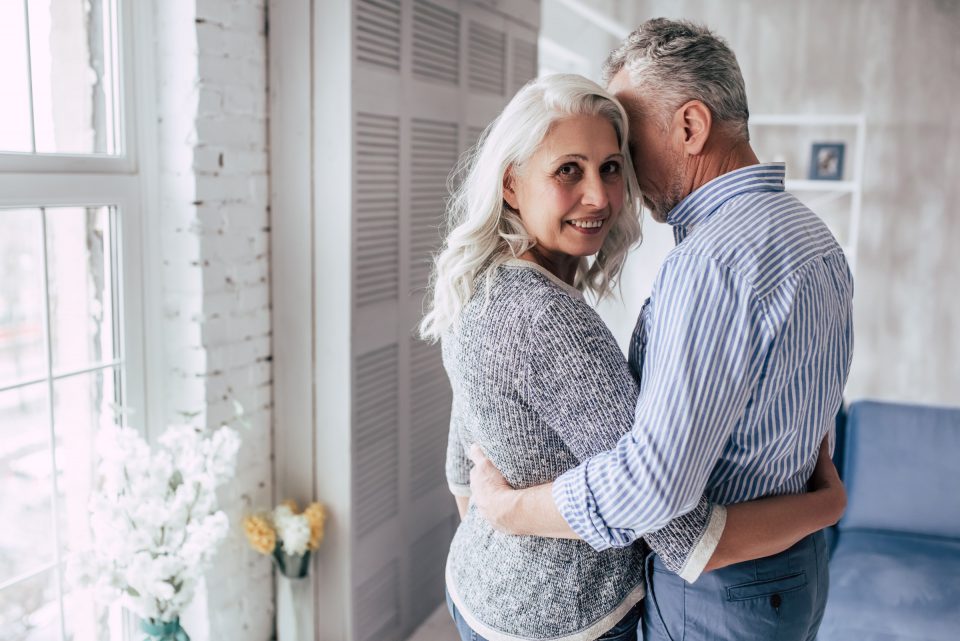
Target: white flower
293 529
155 520
282 512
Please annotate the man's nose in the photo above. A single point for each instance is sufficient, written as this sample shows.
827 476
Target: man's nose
595 191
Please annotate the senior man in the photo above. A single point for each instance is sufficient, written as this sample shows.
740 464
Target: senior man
743 350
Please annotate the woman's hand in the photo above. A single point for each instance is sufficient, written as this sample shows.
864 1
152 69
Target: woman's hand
766 526
826 480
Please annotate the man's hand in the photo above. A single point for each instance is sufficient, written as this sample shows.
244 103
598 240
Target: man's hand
489 491
530 511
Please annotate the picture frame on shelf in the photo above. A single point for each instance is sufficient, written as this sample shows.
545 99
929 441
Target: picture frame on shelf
826 161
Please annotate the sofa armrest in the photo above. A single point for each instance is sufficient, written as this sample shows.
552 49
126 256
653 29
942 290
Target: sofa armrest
900 469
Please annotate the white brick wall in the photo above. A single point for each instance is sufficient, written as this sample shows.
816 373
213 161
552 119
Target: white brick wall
215 237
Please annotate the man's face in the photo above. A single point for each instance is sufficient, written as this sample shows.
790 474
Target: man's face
657 158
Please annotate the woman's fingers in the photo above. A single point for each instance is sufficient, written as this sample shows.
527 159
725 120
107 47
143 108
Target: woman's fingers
824 472
826 479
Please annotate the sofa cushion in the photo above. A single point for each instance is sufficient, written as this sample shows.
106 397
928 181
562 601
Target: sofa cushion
900 469
890 587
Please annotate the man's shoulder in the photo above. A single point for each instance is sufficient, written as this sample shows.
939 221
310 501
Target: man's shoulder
762 238
696 262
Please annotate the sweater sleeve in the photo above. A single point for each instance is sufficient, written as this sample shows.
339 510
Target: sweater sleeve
581 386
458 464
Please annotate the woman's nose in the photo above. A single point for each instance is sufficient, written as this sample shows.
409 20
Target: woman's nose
595 192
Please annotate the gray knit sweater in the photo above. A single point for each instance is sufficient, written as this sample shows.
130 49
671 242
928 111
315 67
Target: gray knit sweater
540 383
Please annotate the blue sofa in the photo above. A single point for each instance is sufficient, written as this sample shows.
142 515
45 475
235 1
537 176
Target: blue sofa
895 561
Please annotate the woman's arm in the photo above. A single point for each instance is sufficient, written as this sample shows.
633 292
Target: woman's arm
462 503
458 464
771 525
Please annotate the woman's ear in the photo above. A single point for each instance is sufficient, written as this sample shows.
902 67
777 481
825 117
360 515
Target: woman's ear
509 193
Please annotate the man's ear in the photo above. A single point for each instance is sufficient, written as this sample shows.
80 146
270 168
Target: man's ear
693 122
509 193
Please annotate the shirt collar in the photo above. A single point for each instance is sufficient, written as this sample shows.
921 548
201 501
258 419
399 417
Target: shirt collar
700 204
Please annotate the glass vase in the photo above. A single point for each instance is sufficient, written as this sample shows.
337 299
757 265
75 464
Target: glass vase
164 630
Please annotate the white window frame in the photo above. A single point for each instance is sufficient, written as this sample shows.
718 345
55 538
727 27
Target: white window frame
128 182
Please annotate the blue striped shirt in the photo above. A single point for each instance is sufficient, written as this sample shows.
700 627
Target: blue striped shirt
742 351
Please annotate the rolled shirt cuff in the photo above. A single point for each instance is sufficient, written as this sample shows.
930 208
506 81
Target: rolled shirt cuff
576 505
705 547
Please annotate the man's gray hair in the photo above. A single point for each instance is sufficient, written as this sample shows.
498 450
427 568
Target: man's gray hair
674 61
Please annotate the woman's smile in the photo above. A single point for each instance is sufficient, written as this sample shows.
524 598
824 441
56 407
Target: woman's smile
587 226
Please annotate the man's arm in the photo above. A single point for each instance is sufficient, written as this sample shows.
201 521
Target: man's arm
704 353
580 385
752 530
705 350
530 511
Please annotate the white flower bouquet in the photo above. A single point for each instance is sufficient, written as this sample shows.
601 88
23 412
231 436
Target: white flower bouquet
155 520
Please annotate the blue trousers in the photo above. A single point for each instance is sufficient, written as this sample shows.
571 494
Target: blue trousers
778 597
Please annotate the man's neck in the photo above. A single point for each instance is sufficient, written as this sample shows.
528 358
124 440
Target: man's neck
714 163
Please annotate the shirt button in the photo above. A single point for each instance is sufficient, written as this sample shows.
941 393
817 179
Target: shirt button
775 601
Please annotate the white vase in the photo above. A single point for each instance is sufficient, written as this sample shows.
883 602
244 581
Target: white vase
294 614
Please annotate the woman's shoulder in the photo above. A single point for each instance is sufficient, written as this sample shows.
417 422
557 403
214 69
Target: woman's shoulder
524 298
515 290
524 281
555 296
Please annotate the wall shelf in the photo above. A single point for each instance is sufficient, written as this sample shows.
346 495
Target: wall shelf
846 186
793 120
820 193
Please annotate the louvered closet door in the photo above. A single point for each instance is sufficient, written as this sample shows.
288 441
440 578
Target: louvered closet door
523 65
427 77
376 208
500 57
434 148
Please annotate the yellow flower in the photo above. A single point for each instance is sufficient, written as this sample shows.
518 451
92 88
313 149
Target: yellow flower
290 503
316 516
260 534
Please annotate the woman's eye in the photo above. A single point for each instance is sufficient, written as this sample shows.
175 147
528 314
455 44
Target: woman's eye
612 167
568 171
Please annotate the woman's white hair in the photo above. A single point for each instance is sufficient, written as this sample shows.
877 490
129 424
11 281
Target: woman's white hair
484 232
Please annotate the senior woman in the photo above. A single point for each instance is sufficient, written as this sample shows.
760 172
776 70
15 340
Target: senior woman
540 383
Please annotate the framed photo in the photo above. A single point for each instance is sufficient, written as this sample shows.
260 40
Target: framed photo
826 161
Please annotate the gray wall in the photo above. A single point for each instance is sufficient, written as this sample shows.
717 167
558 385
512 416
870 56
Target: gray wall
898 62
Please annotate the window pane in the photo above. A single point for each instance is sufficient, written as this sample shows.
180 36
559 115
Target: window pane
15 105
30 611
81 304
26 542
90 620
82 405
21 296
69 77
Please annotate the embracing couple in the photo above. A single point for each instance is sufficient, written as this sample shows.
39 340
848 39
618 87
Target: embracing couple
697 474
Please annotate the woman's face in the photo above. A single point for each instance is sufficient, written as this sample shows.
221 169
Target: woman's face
570 192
